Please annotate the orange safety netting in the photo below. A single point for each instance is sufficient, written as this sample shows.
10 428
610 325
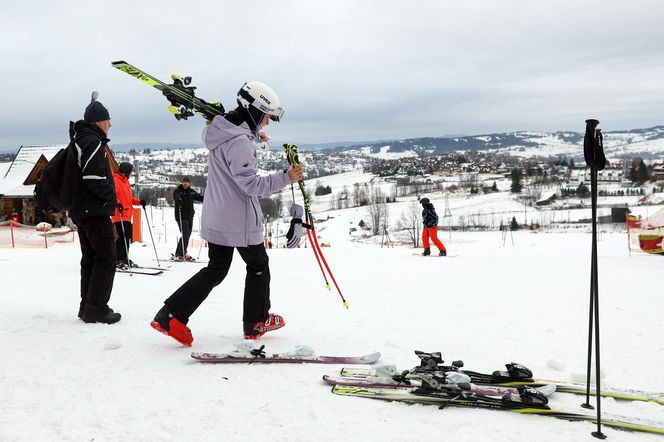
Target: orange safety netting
17 235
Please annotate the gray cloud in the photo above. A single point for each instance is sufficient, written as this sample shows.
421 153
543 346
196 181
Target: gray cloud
344 70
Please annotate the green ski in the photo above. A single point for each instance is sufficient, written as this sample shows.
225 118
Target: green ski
180 94
522 403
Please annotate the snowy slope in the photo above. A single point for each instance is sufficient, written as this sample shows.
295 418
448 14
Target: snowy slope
65 380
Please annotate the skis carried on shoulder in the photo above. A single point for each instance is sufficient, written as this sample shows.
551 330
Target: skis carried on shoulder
525 401
183 101
301 354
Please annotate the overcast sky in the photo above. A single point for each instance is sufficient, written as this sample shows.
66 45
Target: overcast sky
344 70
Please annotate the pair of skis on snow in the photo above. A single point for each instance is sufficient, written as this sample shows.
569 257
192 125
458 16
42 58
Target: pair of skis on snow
514 390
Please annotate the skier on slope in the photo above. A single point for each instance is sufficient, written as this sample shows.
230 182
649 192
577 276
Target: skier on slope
184 197
430 230
123 214
232 217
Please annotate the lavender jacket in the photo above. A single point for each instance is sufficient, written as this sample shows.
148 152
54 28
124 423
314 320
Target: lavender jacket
232 215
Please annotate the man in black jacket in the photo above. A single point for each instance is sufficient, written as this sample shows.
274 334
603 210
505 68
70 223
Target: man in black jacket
184 197
92 215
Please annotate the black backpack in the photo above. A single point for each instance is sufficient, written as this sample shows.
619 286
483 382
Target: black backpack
59 183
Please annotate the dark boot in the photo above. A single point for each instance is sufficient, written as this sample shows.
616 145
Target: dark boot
109 318
426 252
442 253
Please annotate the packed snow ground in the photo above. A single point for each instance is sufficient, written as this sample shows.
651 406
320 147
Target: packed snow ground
528 302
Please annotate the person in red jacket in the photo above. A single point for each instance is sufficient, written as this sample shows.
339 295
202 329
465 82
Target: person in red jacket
124 213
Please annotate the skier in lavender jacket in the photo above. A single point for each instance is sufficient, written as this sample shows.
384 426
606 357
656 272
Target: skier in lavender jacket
232 217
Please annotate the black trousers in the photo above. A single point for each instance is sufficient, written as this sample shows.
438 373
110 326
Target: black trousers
97 239
127 234
185 229
184 302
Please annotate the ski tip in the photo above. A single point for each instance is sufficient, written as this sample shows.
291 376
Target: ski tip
118 62
370 358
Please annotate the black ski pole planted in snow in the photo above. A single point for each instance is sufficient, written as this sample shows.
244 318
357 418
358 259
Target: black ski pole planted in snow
593 150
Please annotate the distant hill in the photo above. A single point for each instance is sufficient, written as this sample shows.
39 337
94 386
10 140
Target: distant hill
647 142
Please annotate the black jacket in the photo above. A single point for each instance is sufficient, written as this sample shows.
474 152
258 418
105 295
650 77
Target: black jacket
184 202
97 196
429 215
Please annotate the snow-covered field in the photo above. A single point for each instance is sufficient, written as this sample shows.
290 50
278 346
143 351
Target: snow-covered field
528 302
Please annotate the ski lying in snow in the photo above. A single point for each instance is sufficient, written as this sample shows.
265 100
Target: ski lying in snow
434 256
180 94
194 261
525 402
301 354
516 375
140 271
487 390
152 268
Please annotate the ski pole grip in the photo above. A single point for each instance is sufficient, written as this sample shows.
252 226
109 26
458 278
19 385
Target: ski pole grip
291 154
593 146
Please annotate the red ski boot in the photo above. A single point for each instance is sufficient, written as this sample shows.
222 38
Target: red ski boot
255 330
164 322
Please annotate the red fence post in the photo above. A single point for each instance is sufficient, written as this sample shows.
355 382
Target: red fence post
11 230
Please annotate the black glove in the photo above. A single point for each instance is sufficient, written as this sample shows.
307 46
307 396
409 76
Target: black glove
143 203
120 207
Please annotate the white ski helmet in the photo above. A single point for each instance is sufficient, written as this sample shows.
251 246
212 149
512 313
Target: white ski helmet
262 97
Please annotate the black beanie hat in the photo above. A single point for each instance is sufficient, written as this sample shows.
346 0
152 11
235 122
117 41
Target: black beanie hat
424 201
125 168
96 112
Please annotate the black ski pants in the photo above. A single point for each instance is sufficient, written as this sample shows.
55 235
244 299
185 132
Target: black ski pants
184 302
97 238
185 229
125 231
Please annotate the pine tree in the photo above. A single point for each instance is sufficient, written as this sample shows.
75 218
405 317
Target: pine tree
642 173
494 188
583 191
516 180
513 224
